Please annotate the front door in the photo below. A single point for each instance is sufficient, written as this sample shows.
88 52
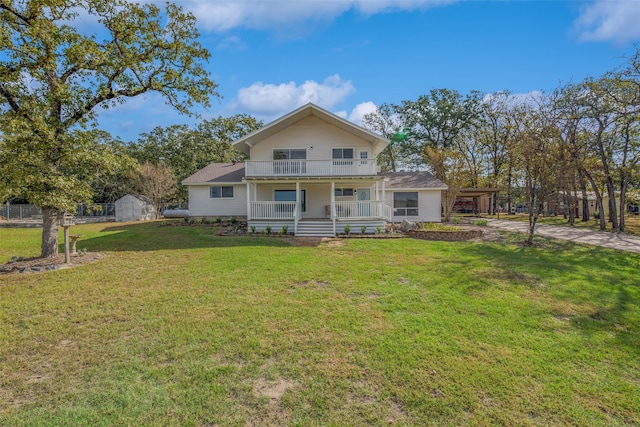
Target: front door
364 195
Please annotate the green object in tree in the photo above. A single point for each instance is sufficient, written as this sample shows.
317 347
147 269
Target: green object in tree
400 135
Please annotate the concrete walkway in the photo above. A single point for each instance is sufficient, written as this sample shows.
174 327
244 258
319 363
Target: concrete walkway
621 241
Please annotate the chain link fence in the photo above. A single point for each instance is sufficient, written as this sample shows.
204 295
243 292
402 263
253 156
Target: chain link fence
21 212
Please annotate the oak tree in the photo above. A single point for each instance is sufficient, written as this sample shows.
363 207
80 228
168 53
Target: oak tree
54 77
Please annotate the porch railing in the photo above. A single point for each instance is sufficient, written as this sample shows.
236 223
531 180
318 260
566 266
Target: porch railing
340 210
388 212
338 167
360 209
272 210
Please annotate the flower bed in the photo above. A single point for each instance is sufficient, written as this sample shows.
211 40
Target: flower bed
446 235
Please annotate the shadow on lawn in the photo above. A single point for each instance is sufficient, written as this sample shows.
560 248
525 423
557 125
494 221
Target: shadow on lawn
601 281
151 236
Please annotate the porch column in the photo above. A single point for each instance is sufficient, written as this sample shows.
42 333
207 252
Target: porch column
383 193
248 201
379 210
298 204
333 199
333 207
384 202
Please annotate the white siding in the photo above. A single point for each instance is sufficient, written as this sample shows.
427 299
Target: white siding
429 207
307 133
200 204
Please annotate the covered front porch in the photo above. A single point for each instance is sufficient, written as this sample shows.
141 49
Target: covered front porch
321 206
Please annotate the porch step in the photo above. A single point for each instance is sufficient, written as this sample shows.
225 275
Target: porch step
315 229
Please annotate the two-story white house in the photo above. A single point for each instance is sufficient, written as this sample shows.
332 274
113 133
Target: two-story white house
314 173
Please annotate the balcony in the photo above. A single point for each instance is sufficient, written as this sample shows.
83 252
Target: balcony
288 168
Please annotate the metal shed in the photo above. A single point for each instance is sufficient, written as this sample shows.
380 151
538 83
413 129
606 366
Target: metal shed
134 208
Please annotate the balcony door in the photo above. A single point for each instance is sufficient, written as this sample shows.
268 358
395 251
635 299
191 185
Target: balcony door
289 161
342 161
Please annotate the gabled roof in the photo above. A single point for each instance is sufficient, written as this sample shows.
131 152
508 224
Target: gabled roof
217 172
245 143
413 180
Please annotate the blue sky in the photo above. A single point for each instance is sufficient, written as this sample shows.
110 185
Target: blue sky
270 57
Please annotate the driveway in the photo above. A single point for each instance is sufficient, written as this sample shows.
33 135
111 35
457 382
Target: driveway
621 241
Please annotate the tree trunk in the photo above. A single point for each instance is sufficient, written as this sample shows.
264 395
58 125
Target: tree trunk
533 219
449 199
623 203
49 232
585 200
600 204
613 211
509 191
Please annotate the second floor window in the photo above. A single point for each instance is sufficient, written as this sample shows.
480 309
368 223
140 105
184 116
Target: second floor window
342 153
289 154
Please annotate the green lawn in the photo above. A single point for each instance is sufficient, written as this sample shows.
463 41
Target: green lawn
178 327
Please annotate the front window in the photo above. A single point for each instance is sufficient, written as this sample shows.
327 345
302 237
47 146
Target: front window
405 203
221 192
340 192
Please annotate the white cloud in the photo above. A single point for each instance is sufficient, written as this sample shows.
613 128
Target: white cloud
271 99
221 16
610 20
360 111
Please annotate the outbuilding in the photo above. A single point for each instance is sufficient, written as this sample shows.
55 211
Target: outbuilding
134 208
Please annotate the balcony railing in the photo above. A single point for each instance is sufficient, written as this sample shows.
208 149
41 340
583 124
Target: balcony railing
341 167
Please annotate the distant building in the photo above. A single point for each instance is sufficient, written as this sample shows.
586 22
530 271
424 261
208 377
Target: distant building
134 208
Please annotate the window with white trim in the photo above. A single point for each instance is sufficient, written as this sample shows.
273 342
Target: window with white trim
289 154
342 153
342 192
405 203
364 157
221 192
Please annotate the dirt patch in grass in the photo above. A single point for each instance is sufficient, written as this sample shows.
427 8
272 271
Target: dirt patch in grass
39 265
305 241
274 390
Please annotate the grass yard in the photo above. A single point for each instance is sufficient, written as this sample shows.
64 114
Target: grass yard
177 327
